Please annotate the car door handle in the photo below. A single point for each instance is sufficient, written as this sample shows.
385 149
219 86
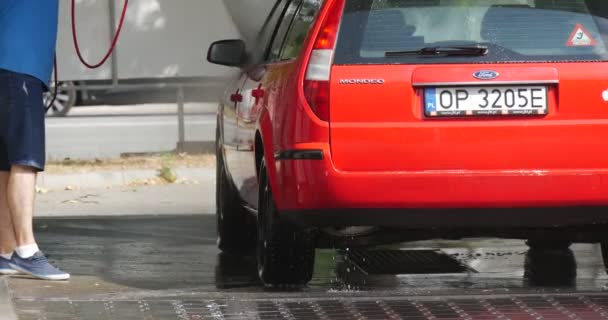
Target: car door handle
258 93
237 96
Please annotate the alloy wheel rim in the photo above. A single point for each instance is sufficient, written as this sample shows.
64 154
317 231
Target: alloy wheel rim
62 100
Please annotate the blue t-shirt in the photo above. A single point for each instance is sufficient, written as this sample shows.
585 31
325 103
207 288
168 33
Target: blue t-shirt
28 35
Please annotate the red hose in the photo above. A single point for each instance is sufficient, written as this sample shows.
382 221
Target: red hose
77 46
114 41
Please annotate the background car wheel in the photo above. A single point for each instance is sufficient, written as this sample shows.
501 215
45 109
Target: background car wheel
66 99
236 229
286 253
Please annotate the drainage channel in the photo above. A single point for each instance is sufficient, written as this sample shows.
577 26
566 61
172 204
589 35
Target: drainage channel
405 262
584 306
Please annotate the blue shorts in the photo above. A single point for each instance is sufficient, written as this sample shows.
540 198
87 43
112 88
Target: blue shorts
21 121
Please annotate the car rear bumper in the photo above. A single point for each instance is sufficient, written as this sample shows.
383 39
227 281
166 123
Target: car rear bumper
317 189
452 218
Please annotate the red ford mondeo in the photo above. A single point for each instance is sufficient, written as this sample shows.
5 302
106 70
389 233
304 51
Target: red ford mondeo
358 122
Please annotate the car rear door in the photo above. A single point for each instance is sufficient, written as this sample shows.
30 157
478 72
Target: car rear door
548 61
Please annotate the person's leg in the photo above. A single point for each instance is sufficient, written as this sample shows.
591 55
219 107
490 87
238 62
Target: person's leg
20 196
7 233
23 140
24 137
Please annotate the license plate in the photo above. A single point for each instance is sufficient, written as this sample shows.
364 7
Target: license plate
485 101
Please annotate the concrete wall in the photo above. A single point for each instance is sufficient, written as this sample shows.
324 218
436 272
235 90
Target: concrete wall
249 15
161 38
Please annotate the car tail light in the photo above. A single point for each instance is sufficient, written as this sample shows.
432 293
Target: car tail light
316 81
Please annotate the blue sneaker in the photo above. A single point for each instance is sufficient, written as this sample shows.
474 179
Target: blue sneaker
5 269
37 266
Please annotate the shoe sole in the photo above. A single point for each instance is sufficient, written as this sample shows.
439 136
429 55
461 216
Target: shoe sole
41 277
8 272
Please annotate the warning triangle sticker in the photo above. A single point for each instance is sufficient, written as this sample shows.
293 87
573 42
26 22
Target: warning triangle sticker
580 37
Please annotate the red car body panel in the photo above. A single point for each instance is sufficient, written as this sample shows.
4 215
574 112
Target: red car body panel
308 185
286 121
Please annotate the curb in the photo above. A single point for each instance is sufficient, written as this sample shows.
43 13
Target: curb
103 179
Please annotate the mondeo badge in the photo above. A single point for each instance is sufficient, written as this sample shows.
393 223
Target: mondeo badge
362 81
486 74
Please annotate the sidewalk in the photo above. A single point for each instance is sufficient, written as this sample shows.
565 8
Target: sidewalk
174 200
125 193
103 179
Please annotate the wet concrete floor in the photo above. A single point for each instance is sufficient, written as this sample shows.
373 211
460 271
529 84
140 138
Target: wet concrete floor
169 268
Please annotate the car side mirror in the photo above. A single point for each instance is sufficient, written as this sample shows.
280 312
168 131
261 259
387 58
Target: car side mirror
227 53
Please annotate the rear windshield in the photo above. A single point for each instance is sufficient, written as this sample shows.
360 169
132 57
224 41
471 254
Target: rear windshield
396 31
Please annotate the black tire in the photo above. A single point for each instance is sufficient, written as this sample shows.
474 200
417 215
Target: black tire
604 246
286 253
236 231
548 244
554 267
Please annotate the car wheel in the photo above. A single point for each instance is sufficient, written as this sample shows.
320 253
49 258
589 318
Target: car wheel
554 267
286 253
546 244
66 99
236 231
604 246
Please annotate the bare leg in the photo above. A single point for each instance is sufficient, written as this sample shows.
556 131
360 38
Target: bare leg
28 258
21 195
7 233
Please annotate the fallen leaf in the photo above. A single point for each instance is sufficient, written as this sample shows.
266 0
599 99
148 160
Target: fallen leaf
42 190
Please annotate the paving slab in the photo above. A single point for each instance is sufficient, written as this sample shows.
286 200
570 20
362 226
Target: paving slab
7 311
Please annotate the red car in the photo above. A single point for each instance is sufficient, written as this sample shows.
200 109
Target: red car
358 122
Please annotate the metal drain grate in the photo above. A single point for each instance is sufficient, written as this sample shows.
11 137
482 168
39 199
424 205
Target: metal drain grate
405 262
567 306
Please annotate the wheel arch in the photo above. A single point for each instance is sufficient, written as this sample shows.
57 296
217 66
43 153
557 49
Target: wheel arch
219 130
264 150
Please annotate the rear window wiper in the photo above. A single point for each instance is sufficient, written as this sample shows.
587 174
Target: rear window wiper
477 50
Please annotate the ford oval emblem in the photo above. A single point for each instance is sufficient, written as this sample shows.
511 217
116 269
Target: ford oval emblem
486 75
